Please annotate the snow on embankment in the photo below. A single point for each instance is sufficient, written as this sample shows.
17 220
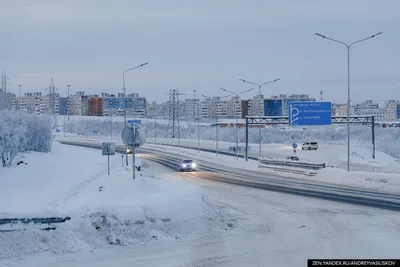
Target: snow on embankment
105 210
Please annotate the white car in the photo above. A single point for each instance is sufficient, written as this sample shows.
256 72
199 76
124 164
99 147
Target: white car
188 165
310 146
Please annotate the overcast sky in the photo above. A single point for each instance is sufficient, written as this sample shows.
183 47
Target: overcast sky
202 45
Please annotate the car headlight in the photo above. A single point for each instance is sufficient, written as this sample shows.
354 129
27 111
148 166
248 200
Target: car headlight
184 165
193 165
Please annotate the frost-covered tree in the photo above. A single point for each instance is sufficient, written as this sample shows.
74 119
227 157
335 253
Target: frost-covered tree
23 132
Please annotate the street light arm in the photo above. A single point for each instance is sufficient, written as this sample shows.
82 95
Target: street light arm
245 91
270 82
328 38
370 37
246 81
223 89
141 65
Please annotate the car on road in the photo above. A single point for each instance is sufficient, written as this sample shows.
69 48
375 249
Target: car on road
310 146
293 158
188 165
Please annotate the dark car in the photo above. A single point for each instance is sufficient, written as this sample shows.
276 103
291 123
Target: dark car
188 165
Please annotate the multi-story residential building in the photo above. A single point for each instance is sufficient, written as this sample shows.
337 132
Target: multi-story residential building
398 112
234 108
134 105
63 106
273 107
245 108
213 108
78 104
256 106
285 99
192 109
385 111
95 105
51 104
32 103
7 100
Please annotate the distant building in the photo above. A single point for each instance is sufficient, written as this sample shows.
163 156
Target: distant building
7 101
234 108
134 105
32 103
51 104
384 111
95 106
78 104
63 106
255 106
245 108
273 107
285 99
398 111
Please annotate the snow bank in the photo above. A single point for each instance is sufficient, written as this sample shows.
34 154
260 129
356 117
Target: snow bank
67 182
376 181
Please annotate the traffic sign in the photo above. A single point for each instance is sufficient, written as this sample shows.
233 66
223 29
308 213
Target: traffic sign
128 135
139 122
294 146
94 132
310 113
108 149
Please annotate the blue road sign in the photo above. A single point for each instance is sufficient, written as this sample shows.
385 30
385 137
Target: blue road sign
294 146
94 132
58 130
310 113
135 121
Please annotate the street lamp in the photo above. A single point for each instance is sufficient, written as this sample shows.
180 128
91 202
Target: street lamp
123 85
259 105
124 90
236 118
216 122
348 85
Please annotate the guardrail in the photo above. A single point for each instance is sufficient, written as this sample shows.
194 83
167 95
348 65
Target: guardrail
295 171
289 163
32 221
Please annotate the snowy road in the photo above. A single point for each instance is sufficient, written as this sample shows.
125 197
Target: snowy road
274 181
270 229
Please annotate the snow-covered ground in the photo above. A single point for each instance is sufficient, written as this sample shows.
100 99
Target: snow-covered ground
66 182
385 182
270 229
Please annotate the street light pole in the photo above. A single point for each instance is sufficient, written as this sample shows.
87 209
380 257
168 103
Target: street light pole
236 119
259 106
124 90
123 85
348 46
